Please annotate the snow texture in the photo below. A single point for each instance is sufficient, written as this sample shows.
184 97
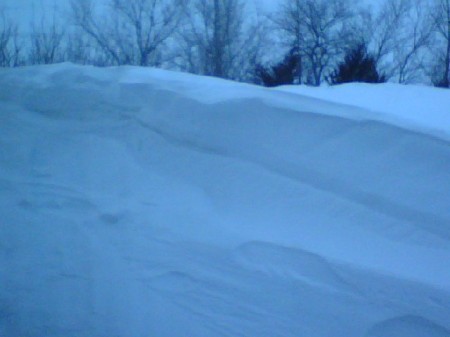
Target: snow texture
140 202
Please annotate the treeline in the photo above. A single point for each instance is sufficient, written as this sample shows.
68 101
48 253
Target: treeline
300 42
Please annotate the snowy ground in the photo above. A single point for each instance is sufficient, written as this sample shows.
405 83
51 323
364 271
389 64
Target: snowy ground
147 203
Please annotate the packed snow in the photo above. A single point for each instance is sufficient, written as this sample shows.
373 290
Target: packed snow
141 202
418 106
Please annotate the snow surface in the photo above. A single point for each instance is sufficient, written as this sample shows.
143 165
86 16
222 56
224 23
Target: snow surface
415 105
140 202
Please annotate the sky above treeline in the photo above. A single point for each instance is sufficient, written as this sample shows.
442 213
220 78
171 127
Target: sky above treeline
23 11
26 6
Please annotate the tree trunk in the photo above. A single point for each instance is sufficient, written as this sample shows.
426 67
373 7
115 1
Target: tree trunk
446 79
217 45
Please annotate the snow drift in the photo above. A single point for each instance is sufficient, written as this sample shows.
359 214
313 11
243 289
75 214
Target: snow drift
139 202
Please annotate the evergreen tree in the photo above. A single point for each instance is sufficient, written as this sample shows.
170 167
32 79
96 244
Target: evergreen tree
280 74
358 66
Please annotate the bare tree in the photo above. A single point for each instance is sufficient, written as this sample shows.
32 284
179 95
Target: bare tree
441 18
320 30
401 32
220 38
411 41
131 31
96 29
46 39
10 46
385 27
78 48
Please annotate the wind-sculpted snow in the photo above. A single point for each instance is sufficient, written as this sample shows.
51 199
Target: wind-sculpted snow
408 326
138 202
419 107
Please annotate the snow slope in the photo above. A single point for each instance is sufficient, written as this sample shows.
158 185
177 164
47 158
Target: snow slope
139 202
417 106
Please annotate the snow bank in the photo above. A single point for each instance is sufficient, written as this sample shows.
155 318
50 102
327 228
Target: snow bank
420 107
139 202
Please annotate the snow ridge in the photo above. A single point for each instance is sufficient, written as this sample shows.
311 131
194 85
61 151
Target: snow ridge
140 202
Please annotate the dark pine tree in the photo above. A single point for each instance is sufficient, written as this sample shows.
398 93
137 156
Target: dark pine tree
443 83
358 66
279 74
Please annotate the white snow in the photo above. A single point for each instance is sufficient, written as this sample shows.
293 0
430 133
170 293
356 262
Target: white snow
414 105
140 202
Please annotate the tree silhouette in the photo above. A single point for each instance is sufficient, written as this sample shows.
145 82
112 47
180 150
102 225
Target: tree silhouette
358 66
280 74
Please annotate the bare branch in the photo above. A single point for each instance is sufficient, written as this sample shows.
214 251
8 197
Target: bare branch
10 46
46 39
